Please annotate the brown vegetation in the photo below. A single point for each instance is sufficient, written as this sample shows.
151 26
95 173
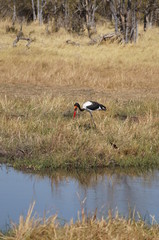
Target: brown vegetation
40 85
85 228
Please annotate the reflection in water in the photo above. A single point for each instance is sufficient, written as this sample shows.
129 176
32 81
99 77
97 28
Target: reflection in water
66 193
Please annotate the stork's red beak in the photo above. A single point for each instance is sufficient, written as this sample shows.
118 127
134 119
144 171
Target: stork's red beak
75 110
74 114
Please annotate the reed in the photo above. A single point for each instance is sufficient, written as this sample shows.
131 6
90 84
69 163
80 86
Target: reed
85 227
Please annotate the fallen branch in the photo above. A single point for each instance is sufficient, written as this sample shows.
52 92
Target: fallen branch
108 36
18 38
99 39
111 36
72 43
94 41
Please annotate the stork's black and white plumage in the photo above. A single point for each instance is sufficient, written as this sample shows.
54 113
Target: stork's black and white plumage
89 106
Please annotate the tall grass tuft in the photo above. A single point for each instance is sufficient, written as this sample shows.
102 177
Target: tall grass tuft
89 228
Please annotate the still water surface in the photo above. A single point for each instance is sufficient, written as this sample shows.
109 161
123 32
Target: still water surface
65 194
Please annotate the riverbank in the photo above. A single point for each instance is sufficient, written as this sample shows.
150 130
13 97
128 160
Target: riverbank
40 133
40 85
85 228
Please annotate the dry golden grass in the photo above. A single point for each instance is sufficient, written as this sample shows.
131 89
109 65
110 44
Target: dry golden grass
85 228
40 133
39 86
51 63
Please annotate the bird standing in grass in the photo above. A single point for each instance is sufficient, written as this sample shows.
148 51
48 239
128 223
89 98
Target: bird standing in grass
89 106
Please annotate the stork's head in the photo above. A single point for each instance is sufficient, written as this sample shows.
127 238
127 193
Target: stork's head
76 105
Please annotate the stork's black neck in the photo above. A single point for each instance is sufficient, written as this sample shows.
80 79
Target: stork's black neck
77 105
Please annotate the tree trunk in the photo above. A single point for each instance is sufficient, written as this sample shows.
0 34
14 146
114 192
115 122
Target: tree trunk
113 11
90 7
87 18
14 12
41 13
145 21
55 27
127 23
38 10
151 19
66 14
135 22
136 30
33 8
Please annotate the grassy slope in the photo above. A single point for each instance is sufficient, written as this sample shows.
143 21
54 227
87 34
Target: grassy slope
40 85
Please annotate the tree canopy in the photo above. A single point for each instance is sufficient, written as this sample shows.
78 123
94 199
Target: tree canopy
75 15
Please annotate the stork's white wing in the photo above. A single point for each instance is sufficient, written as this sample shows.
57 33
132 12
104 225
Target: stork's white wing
86 104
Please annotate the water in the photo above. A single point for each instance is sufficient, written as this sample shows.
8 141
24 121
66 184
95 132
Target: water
66 194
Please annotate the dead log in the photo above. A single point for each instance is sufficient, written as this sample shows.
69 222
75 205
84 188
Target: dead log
72 43
111 37
108 36
20 36
94 41
29 40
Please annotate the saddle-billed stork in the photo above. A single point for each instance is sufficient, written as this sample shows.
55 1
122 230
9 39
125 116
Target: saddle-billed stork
89 106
